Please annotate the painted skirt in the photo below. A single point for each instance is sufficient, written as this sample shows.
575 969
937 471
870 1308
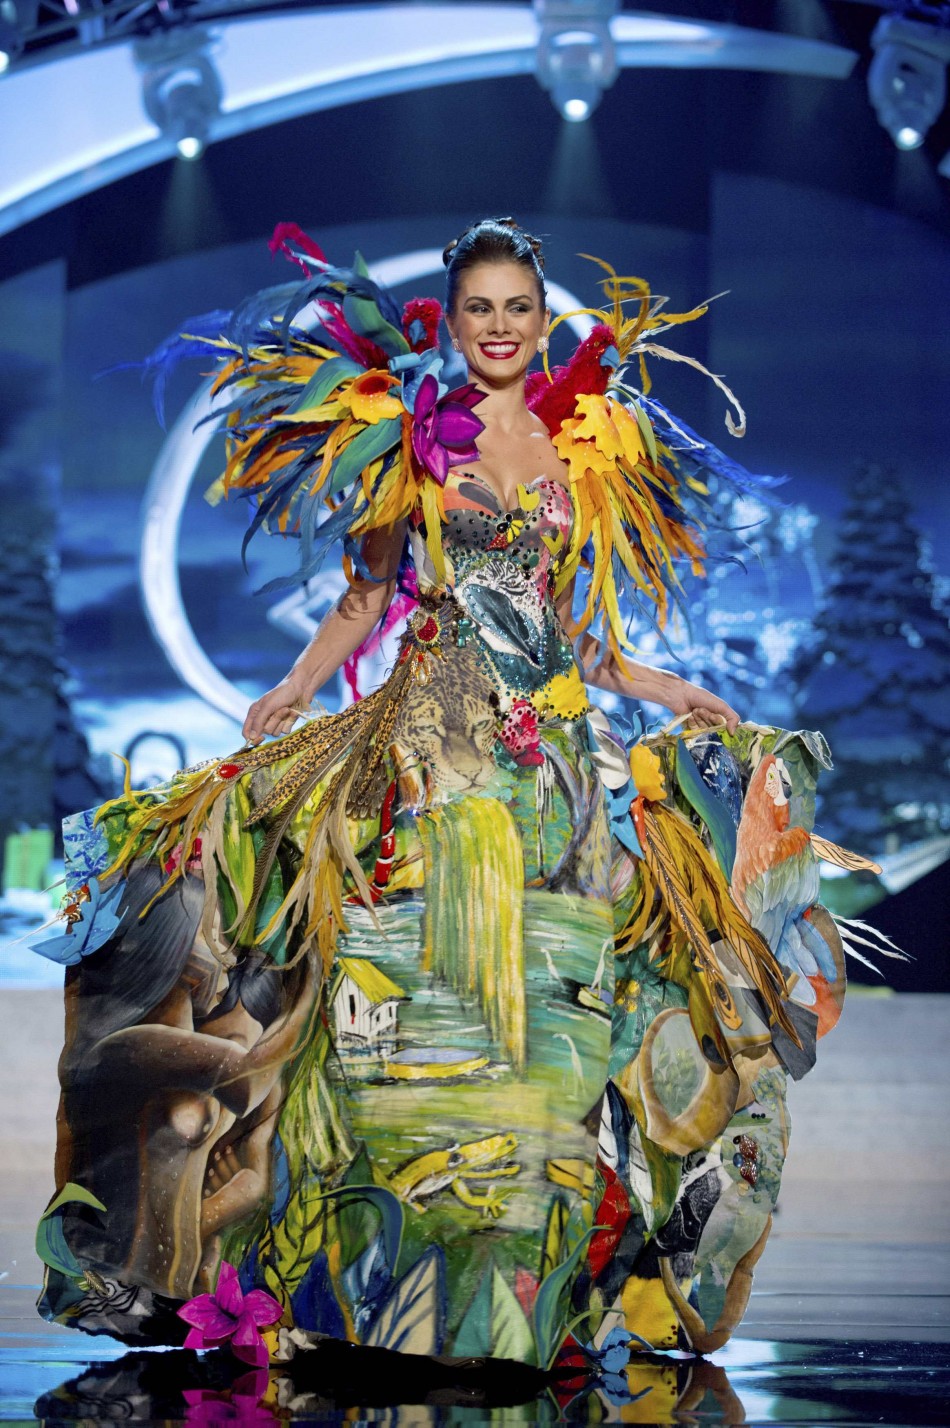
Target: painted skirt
533 1090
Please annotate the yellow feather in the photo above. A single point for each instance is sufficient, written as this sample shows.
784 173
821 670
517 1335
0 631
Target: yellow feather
433 520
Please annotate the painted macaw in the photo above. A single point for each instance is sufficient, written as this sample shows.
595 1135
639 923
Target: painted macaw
775 880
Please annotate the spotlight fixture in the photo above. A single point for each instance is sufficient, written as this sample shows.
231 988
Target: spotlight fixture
907 79
181 90
16 18
576 58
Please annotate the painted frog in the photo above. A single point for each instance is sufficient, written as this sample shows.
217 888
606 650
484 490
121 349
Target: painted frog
452 1167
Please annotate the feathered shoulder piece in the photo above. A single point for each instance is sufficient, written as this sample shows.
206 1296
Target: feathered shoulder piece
638 476
339 421
337 417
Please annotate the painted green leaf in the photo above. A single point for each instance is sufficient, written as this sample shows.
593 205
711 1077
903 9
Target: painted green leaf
554 1231
511 1336
711 809
390 1210
51 1246
473 1339
550 1306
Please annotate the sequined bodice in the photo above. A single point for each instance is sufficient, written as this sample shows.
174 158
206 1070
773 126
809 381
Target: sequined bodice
501 567
534 533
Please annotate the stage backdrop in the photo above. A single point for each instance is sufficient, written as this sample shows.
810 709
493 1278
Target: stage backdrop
828 333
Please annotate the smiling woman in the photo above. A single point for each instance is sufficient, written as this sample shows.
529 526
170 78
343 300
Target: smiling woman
464 884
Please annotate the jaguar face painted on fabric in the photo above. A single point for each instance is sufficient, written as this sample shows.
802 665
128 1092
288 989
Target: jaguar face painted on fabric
449 726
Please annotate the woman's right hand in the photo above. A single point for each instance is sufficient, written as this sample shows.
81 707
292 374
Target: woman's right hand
277 711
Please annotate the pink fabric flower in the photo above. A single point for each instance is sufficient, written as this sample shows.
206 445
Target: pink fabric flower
230 1316
444 428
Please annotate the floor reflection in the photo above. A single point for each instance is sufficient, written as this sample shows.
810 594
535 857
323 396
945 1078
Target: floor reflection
787 1383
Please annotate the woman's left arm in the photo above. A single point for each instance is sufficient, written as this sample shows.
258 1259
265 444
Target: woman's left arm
641 681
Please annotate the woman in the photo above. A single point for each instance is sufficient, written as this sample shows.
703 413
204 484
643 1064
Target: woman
506 910
498 320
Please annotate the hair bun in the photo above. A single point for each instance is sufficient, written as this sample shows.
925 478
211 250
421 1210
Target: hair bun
533 243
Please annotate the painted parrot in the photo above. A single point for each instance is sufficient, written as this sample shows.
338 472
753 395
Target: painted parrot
775 880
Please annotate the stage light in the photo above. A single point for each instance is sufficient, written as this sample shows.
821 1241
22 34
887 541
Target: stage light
907 78
190 147
574 106
181 88
13 23
576 57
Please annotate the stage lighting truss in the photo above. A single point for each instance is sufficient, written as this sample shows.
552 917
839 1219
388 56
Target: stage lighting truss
181 90
17 19
907 78
577 57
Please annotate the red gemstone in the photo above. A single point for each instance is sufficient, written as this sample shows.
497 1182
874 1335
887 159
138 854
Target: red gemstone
228 770
428 630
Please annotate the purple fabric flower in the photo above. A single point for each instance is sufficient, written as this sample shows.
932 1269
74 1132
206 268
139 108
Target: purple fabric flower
229 1315
444 430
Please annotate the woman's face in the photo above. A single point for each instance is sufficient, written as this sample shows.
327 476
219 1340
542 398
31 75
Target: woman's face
498 321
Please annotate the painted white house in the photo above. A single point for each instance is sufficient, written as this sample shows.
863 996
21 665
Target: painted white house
365 1005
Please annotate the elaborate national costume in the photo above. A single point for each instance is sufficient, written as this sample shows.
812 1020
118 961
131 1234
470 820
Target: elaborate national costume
448 1021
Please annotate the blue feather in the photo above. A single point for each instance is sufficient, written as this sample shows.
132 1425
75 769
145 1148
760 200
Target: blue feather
159 365
696 456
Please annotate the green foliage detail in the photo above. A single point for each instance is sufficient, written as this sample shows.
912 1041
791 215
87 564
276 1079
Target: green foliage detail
51 1246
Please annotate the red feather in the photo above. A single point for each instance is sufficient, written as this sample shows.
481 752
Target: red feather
554 401
285 234
361 349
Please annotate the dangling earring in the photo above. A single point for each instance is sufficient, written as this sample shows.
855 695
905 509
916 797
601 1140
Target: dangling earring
542 344
456 344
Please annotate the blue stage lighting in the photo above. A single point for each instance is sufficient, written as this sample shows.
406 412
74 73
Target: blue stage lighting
577 57
907 79
181 88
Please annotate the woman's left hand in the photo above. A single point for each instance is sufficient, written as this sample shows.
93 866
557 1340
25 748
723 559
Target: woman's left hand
701 709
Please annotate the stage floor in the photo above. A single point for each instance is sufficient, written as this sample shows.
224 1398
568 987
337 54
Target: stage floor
849 1320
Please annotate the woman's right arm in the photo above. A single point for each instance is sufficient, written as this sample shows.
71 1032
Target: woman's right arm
355 615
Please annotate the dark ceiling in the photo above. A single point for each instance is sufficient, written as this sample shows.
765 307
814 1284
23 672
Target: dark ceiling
649 153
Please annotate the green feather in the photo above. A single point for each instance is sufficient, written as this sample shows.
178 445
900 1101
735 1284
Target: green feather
374 441
366 319
51 1246
330 374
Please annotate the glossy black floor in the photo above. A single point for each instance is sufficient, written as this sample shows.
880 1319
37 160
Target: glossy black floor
753 1381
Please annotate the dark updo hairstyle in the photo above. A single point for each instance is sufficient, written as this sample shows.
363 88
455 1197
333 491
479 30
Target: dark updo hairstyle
492 240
